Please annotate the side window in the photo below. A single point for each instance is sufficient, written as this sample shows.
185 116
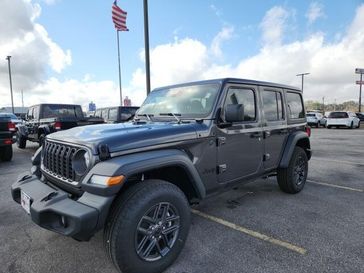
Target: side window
272 102
30 113
242 96
295 105
36 112
113 114
104 114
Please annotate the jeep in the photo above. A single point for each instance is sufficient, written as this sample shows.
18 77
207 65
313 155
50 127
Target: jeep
137 180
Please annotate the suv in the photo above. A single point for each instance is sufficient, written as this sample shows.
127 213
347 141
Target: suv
136 180
43 119
315 119
116 114
342 119
7 136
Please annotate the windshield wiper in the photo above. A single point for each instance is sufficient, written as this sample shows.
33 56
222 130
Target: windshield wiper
148 116
175 115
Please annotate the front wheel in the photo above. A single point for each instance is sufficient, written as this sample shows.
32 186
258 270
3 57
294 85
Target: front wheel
21 141
358 125
293 178
147 227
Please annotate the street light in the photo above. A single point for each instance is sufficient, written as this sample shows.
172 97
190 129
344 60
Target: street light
302 75
11 84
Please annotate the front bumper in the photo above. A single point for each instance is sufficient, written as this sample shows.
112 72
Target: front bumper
54 209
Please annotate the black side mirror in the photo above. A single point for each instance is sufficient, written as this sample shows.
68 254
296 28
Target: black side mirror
234 112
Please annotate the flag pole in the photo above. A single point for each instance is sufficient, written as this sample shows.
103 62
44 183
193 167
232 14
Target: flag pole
121 93
146 41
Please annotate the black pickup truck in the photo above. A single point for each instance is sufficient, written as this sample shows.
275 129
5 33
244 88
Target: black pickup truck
7 138
44 119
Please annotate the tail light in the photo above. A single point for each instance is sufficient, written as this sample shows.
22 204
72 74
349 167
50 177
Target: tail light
57 125
11 127
8 141
308 131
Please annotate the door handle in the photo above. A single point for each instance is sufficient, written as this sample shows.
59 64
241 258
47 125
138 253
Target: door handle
283 131
267 134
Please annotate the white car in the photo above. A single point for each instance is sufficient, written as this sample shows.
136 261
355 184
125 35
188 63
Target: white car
315 119
342 119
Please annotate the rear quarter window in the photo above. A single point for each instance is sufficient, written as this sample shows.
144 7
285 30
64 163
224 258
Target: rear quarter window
295 108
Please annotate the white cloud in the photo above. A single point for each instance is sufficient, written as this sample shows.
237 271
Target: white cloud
315 12
273 25
30 46
224 35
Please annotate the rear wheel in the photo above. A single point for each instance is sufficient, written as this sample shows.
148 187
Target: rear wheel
352 125
293 178
328 127
147 227
6 153
358 125
21 141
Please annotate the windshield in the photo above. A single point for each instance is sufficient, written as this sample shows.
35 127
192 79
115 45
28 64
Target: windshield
64 111
338 115
187 101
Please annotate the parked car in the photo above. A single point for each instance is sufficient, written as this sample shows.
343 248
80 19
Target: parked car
360 116
116 114
13 118
136 180
342 119
315 119
7 137
44 119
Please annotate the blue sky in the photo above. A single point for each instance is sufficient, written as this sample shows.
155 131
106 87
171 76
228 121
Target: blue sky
85 27
66 50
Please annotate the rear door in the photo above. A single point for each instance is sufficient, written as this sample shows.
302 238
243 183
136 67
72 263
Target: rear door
274 126
240 145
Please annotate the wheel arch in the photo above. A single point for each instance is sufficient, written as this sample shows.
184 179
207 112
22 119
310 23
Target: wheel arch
299 139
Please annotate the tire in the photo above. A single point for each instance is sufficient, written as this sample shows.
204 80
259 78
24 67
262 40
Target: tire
352 125
123 230
21 141
293 178
6 153
358 125
317 125
41 139
328 126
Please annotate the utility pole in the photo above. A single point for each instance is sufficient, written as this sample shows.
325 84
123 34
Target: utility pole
11 84
361 72
302 75
146 41
22 99
323 105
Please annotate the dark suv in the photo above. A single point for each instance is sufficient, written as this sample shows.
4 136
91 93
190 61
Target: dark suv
136 180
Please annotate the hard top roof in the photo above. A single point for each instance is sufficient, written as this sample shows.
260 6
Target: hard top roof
233 80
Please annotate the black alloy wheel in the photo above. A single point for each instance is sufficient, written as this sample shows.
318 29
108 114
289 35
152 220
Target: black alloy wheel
157 232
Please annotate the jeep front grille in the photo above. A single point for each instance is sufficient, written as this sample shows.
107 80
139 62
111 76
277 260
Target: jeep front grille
57 161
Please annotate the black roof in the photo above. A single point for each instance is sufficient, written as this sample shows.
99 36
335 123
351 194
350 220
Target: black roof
234 80
109 107
60 104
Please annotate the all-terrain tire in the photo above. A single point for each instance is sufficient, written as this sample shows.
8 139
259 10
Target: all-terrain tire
21 141
293 178
134 217
6 153
358 125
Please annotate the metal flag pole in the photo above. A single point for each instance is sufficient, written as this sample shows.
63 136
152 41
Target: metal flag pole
121 92
11 84
361 82
146 41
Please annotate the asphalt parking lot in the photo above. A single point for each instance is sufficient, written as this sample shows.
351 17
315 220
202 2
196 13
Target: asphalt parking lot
255 228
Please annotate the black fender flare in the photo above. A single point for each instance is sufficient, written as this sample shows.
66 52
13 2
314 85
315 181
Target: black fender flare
45 129
291 143
129 165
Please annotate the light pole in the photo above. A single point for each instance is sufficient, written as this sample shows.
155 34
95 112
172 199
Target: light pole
146 41
302 75
11 84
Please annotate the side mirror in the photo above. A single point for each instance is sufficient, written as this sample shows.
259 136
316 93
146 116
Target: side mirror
234 112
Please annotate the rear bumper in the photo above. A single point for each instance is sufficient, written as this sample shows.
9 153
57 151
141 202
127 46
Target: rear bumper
53 209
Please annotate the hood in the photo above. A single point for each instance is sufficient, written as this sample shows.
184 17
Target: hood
125 136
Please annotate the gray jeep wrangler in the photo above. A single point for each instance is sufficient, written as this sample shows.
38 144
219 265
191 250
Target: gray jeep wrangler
137 180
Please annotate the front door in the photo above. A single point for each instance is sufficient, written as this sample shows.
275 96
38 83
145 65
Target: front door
274 126
240 145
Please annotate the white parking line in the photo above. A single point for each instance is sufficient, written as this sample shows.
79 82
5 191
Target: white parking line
334 186
252 233
338 161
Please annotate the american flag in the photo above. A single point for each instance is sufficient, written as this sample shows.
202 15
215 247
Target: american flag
119 18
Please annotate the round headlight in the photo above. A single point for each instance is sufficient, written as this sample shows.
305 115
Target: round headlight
81 162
